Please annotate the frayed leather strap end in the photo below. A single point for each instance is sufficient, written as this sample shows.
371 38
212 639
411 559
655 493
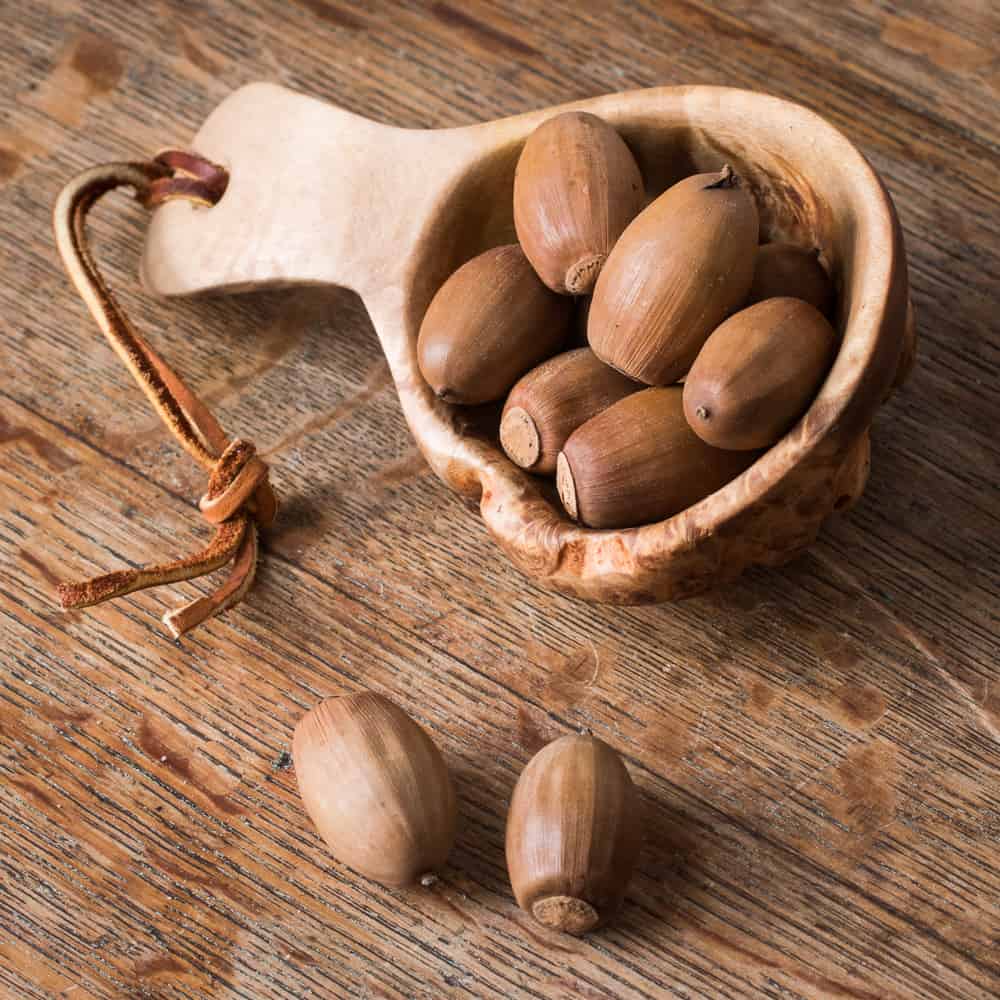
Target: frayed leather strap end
239 497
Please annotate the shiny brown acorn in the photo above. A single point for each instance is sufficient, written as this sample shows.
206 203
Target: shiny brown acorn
552 400
573 834
488 324
376 787
682 266
576 187
639 461
783 269
758 373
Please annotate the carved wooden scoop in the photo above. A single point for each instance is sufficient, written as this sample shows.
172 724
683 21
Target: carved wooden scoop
318 195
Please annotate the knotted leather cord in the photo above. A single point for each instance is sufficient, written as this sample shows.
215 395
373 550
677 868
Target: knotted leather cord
239 497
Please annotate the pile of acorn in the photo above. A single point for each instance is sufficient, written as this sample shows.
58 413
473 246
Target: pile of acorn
703 347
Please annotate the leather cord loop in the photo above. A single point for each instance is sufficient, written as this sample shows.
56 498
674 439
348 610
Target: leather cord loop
239 498
239 479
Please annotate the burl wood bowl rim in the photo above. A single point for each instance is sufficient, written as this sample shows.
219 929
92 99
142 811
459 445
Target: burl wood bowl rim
784 150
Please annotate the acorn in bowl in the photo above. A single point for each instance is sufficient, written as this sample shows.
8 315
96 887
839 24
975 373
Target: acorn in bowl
717 296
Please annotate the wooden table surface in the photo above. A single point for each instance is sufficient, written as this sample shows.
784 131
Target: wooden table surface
817 748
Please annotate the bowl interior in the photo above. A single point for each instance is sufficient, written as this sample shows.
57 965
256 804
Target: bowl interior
801 194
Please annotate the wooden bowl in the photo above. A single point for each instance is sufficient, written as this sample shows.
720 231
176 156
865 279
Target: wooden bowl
318 195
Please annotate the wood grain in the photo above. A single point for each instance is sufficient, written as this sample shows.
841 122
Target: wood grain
817 747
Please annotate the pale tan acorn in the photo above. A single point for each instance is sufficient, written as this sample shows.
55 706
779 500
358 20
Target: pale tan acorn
758 373
786 270
376 787
639 462
576 187
573 834
488 324
552 400
683 265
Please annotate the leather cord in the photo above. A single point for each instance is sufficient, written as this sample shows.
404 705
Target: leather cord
239 498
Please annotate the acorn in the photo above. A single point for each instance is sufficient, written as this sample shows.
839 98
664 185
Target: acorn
552 400
576 187
376 787
488 324
784 269
573 834
639 462
683 265
758 373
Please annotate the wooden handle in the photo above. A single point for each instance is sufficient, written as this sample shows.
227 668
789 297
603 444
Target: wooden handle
316 195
